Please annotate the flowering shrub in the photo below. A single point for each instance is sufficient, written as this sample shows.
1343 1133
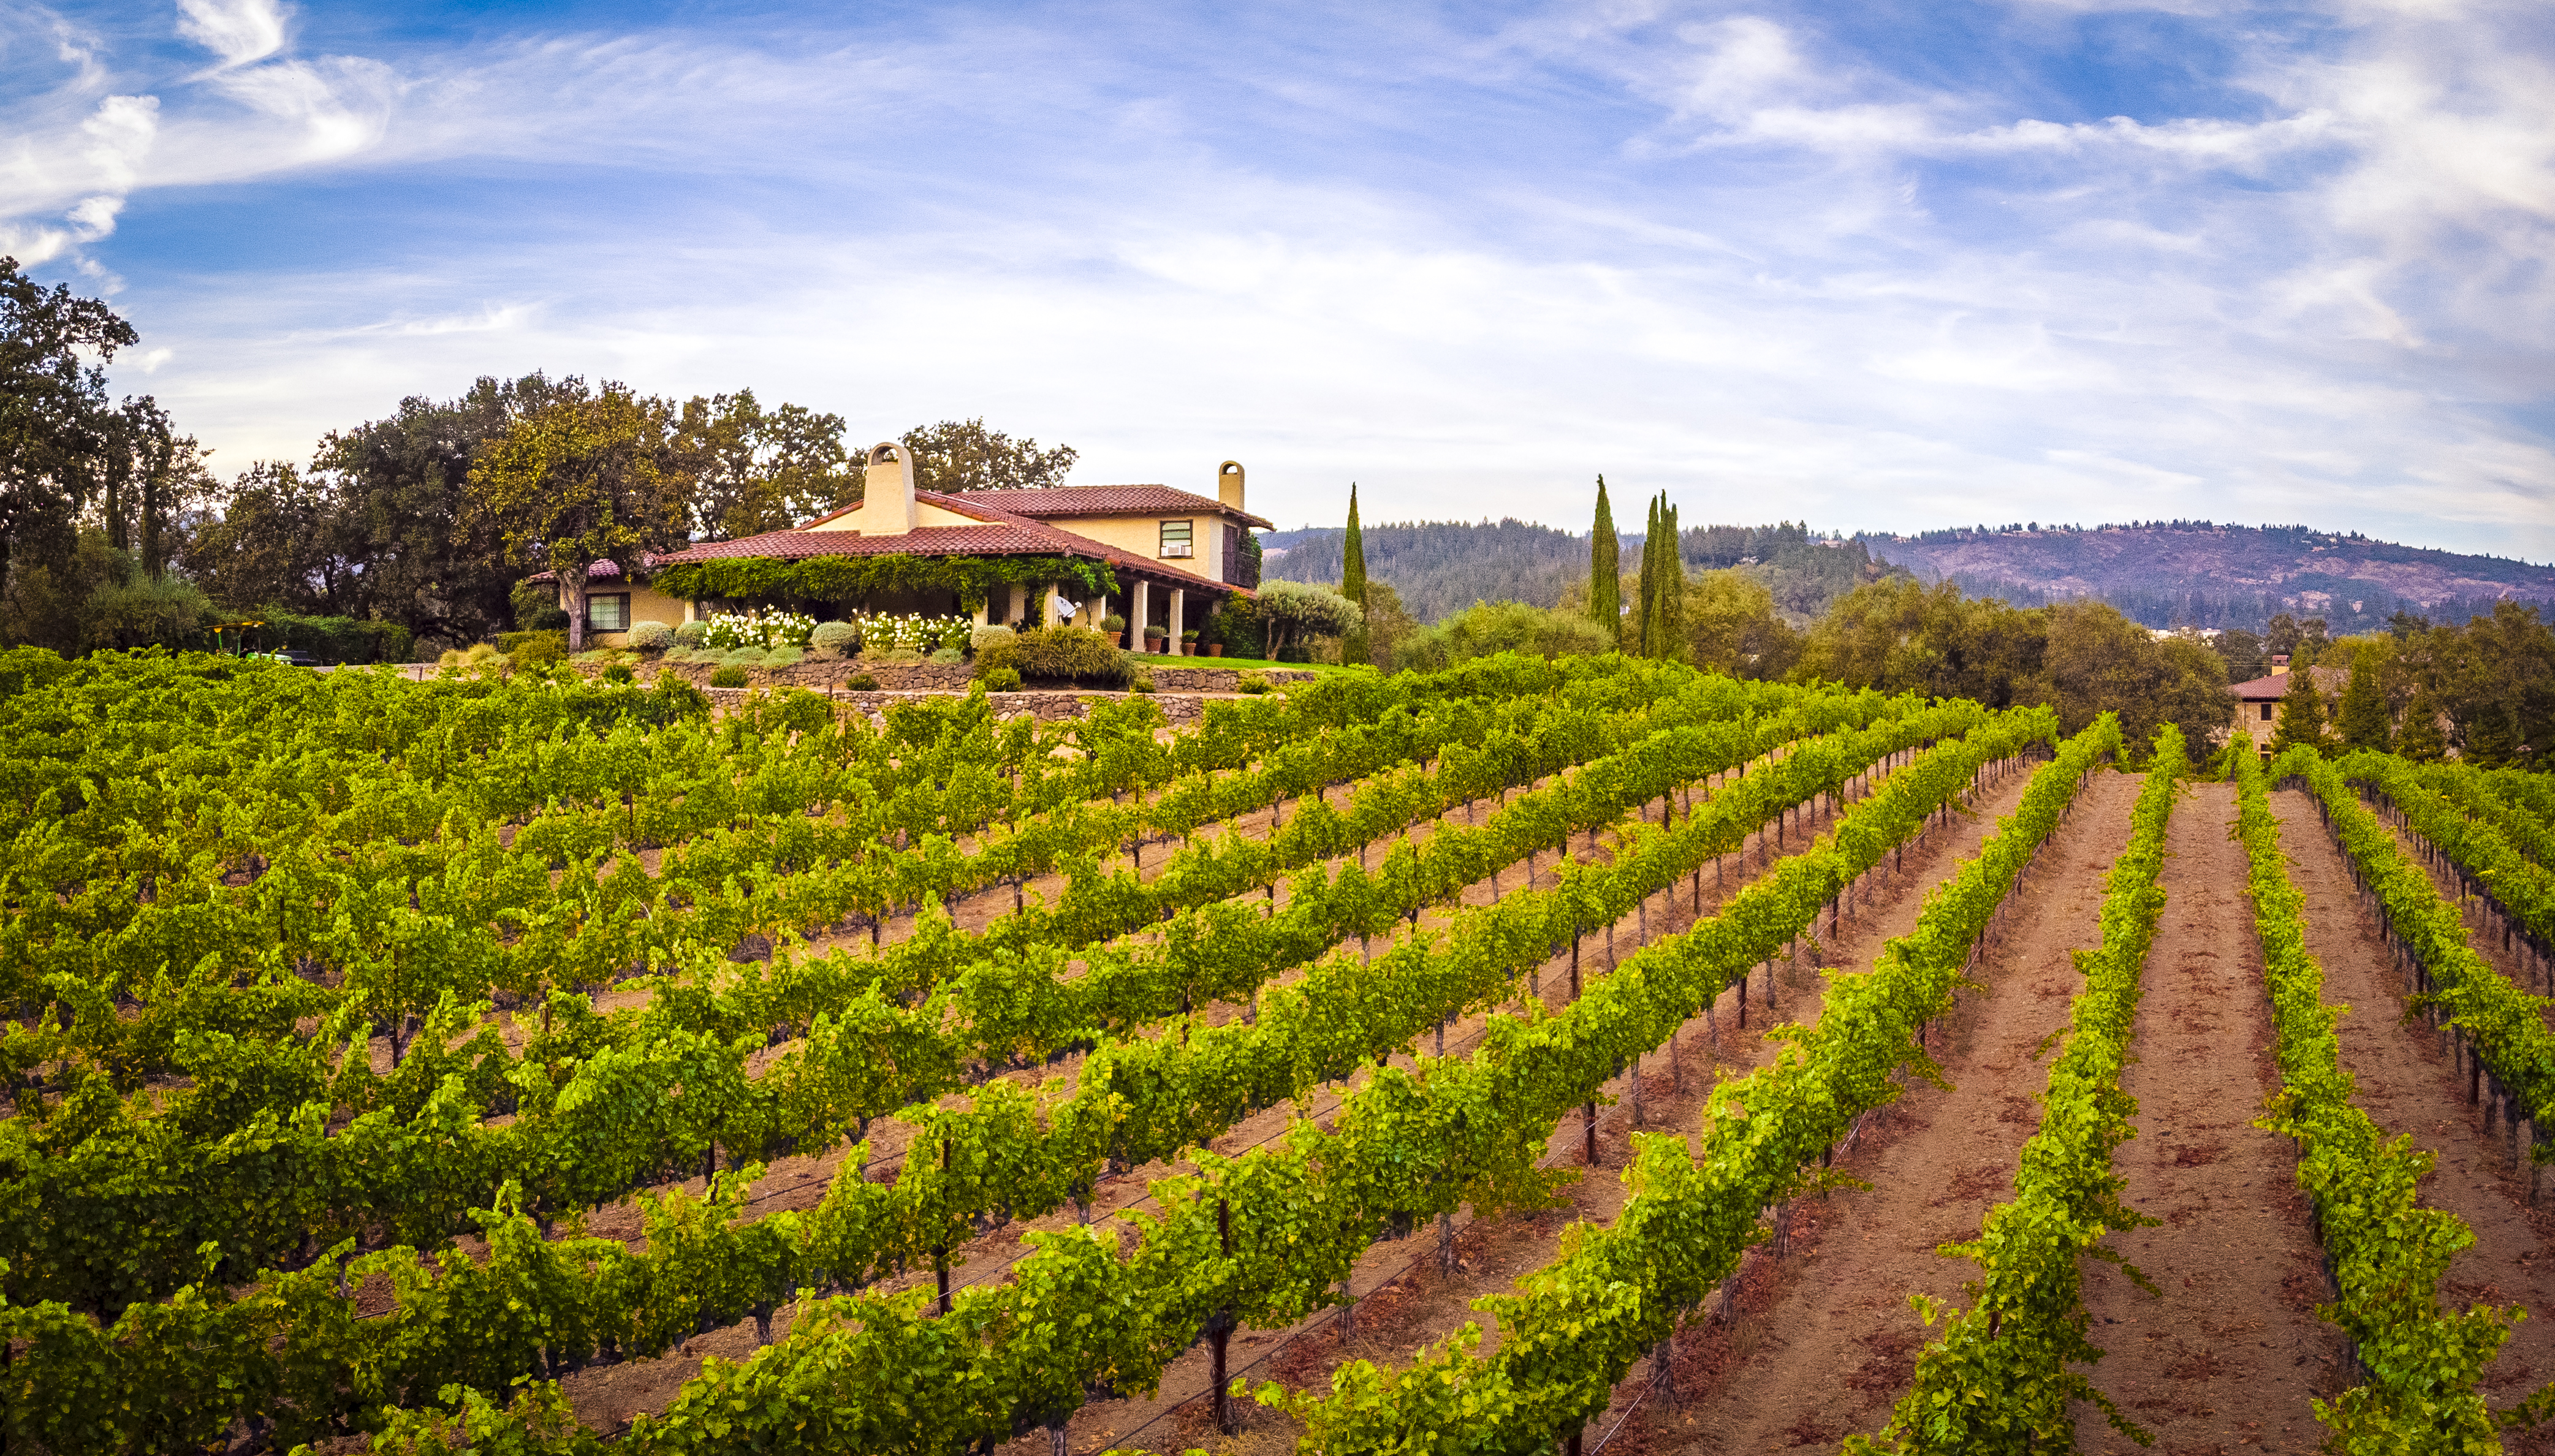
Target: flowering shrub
765 630
913 632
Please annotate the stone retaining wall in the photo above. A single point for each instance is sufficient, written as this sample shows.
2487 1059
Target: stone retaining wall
1179 707
942 676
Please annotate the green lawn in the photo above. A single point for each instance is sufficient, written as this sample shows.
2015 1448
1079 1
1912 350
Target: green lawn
1246 664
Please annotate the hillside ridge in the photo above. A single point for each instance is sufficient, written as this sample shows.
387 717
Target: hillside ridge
2161 573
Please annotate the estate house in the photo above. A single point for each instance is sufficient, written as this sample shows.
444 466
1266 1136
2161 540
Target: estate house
1174 555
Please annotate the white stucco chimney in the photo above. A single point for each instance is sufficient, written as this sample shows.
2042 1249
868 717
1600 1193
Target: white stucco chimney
887 490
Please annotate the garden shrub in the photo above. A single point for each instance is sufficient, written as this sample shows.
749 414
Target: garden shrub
730 675
651 637
618 672
834 640
692 634
1056 653
862 682
983 634
536 649
782 657
1002 680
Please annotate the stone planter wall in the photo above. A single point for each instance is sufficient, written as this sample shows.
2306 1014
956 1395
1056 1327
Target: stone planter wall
947 677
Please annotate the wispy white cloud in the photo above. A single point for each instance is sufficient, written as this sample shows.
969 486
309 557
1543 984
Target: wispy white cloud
1718 251
237 31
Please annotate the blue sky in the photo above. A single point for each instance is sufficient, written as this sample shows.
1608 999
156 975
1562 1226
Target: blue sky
1886 267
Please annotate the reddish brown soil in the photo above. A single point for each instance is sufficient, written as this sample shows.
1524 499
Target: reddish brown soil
606 1397
1406 1301
2408 1085
1824 1341
2226 1354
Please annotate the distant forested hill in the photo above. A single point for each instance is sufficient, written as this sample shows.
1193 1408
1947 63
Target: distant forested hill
2205 574
2162 574
1443 567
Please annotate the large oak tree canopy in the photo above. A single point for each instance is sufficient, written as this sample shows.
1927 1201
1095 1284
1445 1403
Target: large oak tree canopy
579 481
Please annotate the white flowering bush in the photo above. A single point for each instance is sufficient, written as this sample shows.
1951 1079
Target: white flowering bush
728 631
913 632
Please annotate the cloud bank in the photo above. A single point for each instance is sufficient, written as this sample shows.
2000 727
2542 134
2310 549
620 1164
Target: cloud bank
2029 261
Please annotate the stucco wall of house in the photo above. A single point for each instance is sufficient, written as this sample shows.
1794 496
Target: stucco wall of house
1142 536
647 604
868 524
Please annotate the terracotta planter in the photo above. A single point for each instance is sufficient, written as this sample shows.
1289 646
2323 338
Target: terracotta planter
1117 639
1152 643
1215 649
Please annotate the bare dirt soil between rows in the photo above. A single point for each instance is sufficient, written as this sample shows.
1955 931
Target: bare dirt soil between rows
2408 1083
607 1396
1406 1301
1822 1342
2226 1354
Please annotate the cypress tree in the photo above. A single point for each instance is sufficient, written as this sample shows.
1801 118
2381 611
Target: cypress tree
2420 741
2364 716
1353 648
1605 568
2301 714
1667 619
1646 592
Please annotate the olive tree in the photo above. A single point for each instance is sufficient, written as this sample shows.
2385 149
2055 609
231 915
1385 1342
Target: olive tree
1295 609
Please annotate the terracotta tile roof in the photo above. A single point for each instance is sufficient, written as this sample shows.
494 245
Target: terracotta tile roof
602 571
1109 500
999 532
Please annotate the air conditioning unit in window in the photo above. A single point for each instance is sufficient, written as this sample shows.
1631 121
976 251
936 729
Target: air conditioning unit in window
1175 548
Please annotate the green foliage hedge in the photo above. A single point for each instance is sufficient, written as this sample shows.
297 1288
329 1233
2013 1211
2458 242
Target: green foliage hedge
846 578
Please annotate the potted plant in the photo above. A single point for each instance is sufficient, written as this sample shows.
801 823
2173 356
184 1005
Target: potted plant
1188 643
1215 649
1116 626
1154 632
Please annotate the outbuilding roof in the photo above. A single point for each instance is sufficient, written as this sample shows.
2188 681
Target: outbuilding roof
2328 680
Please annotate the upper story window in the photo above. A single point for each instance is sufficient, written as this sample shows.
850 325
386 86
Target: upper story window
608 613
1179 539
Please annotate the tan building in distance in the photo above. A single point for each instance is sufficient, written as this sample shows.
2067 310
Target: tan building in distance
1175 554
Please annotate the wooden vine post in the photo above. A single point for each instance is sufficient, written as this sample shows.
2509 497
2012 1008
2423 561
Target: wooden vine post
1219 1329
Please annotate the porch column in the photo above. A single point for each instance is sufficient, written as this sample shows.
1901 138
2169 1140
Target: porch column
1047 606
1179 605
985 610
1012 602
1090 613
1139 612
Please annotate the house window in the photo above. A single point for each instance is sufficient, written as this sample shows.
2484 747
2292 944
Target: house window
608 613
2266 712
1178 539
